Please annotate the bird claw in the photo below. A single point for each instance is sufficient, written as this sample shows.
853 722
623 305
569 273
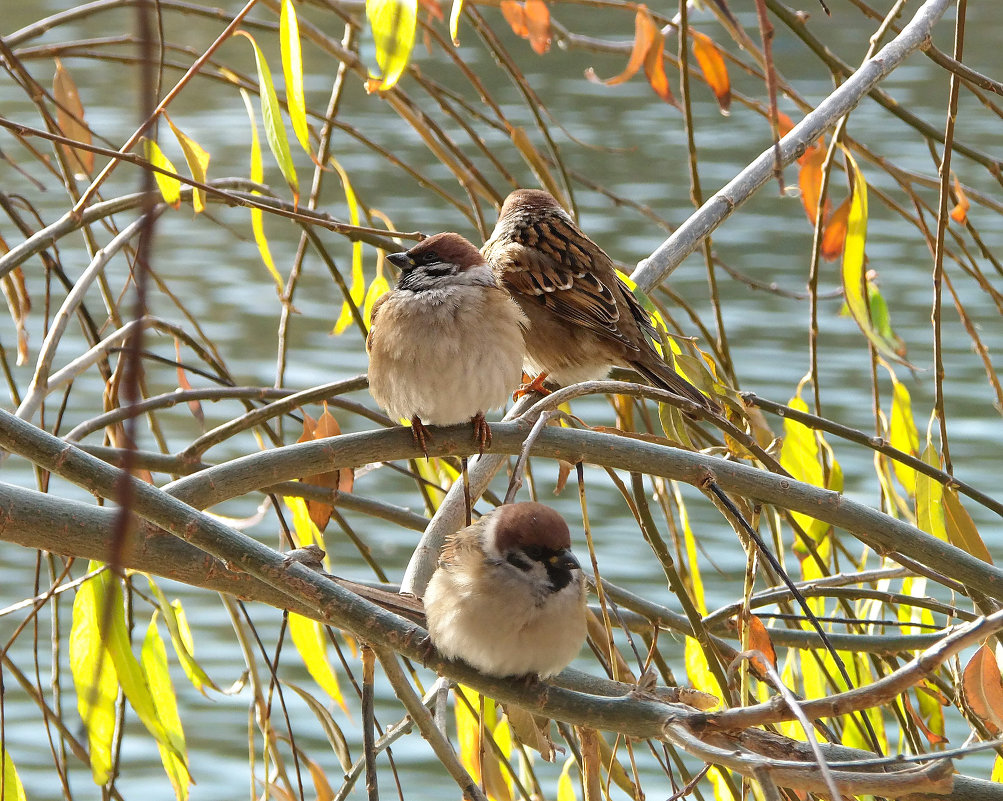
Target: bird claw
482 432
536 385
420 434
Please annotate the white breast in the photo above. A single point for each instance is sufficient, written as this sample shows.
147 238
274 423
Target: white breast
446 355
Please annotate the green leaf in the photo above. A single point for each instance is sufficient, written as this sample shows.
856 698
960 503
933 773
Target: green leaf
93 673
153 658
198 163
170 188
961 530
393 23
292 69
271 115
335 736
257 215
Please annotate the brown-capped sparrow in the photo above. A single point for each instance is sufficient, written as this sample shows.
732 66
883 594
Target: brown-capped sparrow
446 344
583 319
508 596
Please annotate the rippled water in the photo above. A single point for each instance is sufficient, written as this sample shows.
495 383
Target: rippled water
221 281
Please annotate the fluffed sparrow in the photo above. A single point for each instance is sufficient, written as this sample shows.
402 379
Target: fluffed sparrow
508 596
446 345
583 319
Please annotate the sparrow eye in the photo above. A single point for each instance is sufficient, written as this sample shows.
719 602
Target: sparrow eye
534 552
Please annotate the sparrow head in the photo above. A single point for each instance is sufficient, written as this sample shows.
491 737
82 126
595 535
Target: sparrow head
534 540
530 203
442 259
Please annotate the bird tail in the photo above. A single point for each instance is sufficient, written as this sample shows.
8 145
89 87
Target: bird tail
661 375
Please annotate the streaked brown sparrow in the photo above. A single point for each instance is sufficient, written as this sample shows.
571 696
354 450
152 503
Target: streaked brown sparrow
508 596
583 319
446 345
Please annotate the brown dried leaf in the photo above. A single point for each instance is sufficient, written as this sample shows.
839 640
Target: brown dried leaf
984 688
341 480
531 730
70 117
712 66
433 8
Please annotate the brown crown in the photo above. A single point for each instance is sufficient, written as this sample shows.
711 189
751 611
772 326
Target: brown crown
522 200
450 248
520 524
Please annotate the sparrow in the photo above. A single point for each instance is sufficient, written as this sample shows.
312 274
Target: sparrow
508 596
583 319
445 345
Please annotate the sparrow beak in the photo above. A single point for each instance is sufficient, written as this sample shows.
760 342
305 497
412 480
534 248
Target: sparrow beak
401 261
565 559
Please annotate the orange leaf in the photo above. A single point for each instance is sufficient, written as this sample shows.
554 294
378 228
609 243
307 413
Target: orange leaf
193 405
834 232
984 689
433 8
515 15
932 737
784 123
654 69
960 212
645 32
712 65
340 480
759 640
70 117
538 23
810 182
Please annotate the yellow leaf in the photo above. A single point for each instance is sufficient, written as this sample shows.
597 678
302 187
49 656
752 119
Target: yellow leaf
454 21
198 163
70 118
307 532
903 434
358 288
292 69
393 23
565 784
310 640
257 215
961 530
170 188
12 787
481 763
800 456
93 673
929 499
853 266
153 658
271 116
377 288
181 638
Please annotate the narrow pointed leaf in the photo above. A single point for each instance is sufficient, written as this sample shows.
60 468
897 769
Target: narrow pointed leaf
292 69
310 640
170 188
271 115
198 163
645 32
654 70
358 288
93 673
393 23
12 787
454 21
834 232
984 688
960 211
853 266
929 499
903 434
153 658
515 15
70 118
961 530
714 70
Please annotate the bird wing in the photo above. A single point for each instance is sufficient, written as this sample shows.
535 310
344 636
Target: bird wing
372 319
552 261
